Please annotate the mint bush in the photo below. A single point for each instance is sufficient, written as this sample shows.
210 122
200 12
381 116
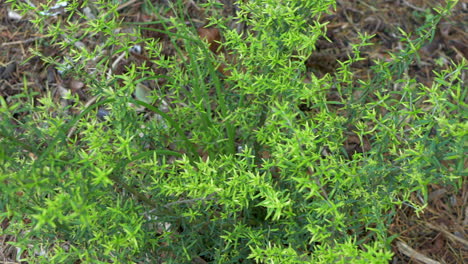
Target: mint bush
222 168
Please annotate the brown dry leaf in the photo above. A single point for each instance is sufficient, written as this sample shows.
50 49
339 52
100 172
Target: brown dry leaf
7 71
203 154
222 69
353 145
212 36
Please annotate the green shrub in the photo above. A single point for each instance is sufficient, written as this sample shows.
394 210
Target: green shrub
224 168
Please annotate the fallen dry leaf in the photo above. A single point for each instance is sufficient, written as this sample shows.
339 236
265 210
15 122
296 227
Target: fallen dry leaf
354 145
212 36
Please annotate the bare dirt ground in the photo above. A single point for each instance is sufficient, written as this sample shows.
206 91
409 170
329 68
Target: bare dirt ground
438 234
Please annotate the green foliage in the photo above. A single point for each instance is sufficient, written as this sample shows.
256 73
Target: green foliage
194 180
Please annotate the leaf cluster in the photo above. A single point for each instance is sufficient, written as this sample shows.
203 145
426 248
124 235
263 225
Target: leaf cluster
227 168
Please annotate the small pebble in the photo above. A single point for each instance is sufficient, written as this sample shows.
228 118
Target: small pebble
89 13
136 49
14 16
102 113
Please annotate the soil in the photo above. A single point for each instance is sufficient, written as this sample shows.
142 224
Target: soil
439 233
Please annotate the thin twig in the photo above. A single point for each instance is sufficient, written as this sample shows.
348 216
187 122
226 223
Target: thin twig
191 2
319 184
114 64
140 196
122 6
22 41
209 197
414 7
447 233
73 128
17 141
413 254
